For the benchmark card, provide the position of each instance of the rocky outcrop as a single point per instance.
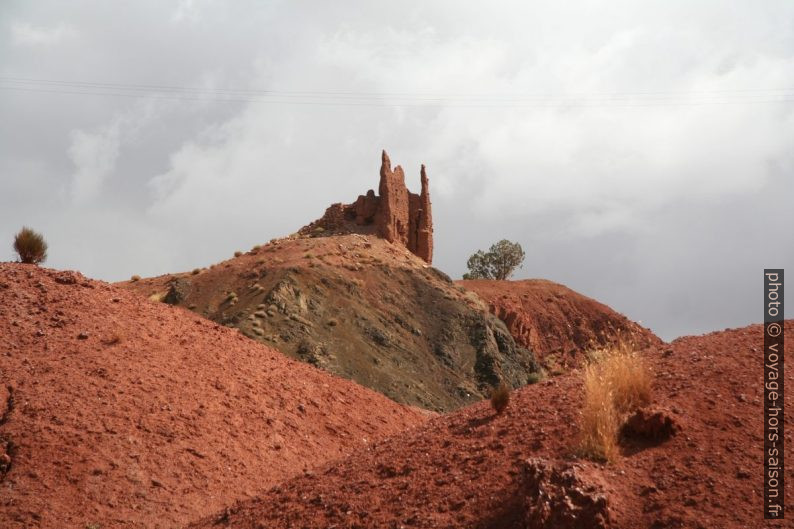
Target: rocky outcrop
(395, 214)
(650, 425)
(560, 497)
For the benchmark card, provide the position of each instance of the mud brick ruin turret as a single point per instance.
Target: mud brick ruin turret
(395, 214)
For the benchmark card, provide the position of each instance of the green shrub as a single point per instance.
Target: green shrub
(499, 262)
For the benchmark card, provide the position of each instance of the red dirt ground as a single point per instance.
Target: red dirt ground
(464, 469)
(116, 411)
(553, 320)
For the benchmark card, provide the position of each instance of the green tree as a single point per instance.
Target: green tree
(499, 262)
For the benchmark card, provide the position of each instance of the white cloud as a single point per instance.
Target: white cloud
(24, 33)
(95, 154)
(190, 11)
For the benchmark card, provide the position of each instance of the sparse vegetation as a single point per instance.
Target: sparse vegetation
(158, 296)
(628, 377)
(616, 382)
(500, 398)
(30, 246)
(238, 253)
(599, 427)
(553, 365)
(499, 262)
(135, 278)
(196, 271)
(534, 378)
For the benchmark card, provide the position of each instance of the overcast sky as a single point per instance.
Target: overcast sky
(641, 152)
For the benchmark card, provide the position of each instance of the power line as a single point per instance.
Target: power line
(151, 87)
(346, 98)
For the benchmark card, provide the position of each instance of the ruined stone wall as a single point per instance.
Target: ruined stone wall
(396, 214)
(423, 216)
(393, 214)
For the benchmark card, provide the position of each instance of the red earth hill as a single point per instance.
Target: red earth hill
(516, 470)
(555, 322)
(362, 308)
(116, 411)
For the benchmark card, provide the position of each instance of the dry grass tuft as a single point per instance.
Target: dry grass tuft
(238, 253)
(626, 374)
(30, 246)
(535, 377)
(196, 271)
(599, 428)
(616, 382)
(135, 278)
(158, 296)
(500, 398)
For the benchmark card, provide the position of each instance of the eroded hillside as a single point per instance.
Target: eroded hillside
(360, 307)
(555, 322)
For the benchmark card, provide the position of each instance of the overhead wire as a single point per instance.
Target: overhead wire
(399, 99)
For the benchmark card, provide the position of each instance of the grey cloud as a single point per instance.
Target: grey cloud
(636, 150)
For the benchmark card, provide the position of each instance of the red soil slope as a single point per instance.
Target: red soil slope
(116, 411)
(551, 319)
(469, 469)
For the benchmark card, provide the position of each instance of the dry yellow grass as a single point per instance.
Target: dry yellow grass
(627, 376)
(158, 296)
(616, 382)
(599, 427)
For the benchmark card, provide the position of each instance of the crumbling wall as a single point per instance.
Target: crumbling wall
(395, 214)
